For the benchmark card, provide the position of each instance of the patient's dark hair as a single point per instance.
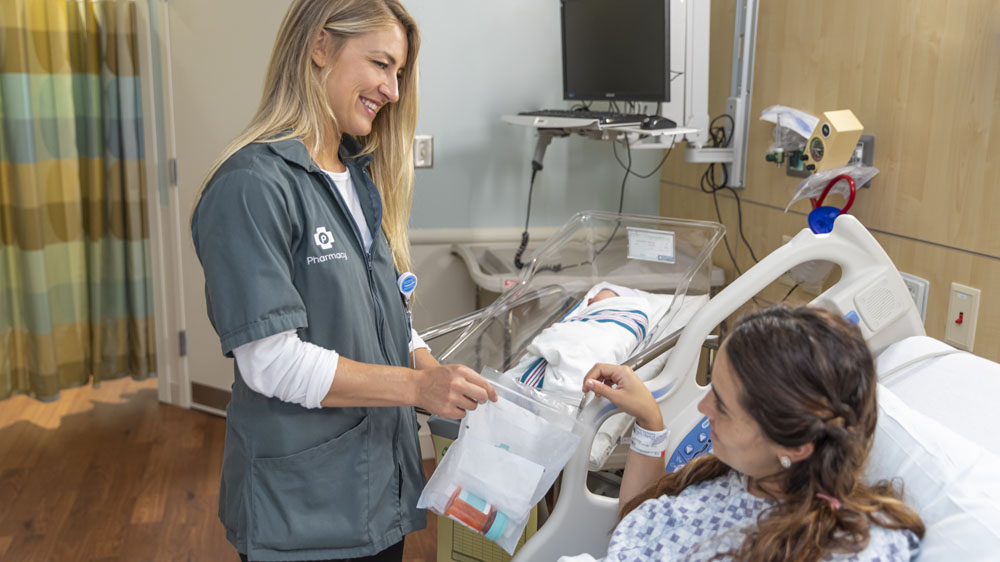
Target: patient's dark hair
(805, 376)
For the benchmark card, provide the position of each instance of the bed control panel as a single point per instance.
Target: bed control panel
(697, 442)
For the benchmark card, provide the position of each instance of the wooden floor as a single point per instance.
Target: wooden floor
(111, 474)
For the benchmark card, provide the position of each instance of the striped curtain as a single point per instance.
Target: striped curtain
(75, 290)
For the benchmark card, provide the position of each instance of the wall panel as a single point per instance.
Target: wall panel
(923, 78)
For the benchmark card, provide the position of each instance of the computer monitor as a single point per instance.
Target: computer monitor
(616, 50)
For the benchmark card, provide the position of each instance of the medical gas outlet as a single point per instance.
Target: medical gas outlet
(833, 141)
(963, 311)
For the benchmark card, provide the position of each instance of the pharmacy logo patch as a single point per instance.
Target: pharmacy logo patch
(323, 238)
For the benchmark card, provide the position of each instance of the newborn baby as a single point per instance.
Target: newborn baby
(606, 329)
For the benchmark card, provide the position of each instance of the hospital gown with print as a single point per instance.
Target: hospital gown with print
(712, 517)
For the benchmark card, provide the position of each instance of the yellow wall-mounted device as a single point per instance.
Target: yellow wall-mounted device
(832, 141)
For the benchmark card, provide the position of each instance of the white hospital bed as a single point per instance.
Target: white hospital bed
(937, 418)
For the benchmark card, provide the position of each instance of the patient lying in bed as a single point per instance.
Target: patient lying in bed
(607, 328)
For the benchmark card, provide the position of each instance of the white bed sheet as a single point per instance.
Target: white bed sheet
(955, 388)
(936, 434)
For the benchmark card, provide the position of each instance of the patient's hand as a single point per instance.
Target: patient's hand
(451, 390)
(624, 389)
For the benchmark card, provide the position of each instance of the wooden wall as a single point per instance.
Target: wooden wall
(924, 78)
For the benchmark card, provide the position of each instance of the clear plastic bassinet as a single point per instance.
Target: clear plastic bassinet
(663, 256)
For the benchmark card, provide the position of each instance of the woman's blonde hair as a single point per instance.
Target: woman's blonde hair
(294, 102)
(805, 376)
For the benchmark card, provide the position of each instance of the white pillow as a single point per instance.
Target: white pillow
(953, 483)
(954, 388)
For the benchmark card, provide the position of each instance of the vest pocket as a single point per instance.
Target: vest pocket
(314, 499)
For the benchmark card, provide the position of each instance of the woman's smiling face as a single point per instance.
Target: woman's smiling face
(364, 76)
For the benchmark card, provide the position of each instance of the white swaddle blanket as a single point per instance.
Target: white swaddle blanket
(608, 331)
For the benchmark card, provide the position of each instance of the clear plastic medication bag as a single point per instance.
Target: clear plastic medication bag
(507, 455)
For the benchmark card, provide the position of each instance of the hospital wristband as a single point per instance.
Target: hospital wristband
(649, 443)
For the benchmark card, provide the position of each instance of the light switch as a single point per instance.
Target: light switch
(963, 311)
(423, 151)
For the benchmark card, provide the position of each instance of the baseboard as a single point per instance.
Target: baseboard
(209, 399)
(208, 409)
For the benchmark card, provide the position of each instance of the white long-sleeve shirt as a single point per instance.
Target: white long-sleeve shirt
(285, 367)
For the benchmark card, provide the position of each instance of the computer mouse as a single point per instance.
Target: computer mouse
(657, 122)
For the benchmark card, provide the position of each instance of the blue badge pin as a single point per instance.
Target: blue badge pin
(406, 282)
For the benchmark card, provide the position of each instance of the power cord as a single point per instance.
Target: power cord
(544, 138)
(614, 149)
(628, 170)
(789, 293)
(535, 168)
(621, 202)
(710, 184)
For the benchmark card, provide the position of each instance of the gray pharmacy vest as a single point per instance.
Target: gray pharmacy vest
(281, 252)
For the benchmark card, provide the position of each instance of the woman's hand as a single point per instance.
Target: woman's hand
(622, 387)
(451, 390)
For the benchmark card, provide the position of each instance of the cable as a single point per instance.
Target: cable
(709, 184)
(722, 131)
(536, 167)
(789, 293)
(527, 216)
(614, 148)
(739, 222)
(545, 137)
(628, 170)
(621, 205)
(725, 239)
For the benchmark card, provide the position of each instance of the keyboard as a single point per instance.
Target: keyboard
(602, 117)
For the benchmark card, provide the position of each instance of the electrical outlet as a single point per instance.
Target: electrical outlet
(864, 154)
(919, 289)
(423, 151)
(963, 311)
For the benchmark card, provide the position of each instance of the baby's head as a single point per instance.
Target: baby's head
(602, 295)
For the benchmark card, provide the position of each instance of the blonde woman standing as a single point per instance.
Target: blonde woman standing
(301, 232)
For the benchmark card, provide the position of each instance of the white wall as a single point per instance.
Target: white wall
(479, 60)
(219, 51)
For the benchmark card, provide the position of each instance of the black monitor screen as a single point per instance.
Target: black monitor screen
(616, 50)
